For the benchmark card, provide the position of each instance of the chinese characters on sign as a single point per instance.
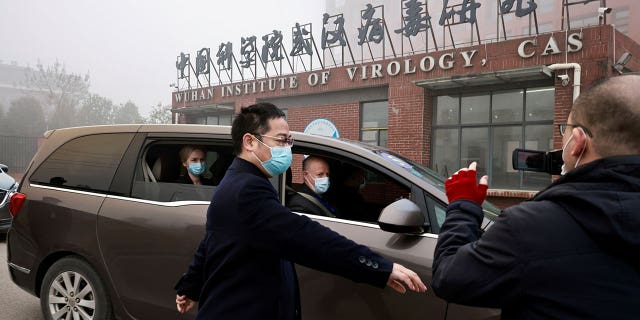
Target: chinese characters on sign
(202, 62)
(372, 30)
(507, 5)
(181, 64)
(301, 41)
(337, 35)
(248, 52)
(272, 48)
(225, 56)
(415, 20)
(467, 6)
(424, 64)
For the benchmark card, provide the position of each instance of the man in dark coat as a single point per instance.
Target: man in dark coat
(243, 267)
(573, 250)
(310, 198)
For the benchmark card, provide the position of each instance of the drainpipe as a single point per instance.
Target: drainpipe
(576, 75)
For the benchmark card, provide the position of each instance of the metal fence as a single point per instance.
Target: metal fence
(16, 152)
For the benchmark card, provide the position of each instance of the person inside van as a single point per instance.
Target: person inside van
(349, 201)
(193, 159)
(310, 198)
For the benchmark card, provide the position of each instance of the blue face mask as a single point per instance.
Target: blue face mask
(196, 168)
(280, 160)
(321, 185)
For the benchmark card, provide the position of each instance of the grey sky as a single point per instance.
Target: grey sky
(130, 47)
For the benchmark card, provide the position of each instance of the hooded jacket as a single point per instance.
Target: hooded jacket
(571, 252)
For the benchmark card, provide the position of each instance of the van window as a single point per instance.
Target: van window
(356, 192)
(162, 177)
(85, 163)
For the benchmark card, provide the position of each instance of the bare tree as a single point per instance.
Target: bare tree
(64, 91)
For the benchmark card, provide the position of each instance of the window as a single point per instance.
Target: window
(487, 128)
(374, 123)
(356, 192)
(161, 176)
(85, 163)
(223, 119)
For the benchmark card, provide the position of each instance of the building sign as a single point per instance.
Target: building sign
(416, 64)
(322, 127)
(427, 63)
(270, 53)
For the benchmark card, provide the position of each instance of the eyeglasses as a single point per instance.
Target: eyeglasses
(563, 128)
(280, 140)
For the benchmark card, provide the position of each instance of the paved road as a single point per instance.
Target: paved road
(15, 304)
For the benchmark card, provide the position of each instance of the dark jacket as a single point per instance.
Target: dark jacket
(571, 252)
(298, 203)
(186, 179)
(241, 270)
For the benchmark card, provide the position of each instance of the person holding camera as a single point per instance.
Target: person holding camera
(573, 250)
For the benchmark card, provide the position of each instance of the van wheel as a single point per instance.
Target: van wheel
(72, 290)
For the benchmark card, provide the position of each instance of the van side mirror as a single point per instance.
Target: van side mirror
(402, 216)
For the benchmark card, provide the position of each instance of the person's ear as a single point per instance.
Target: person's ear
(580, 140)
(248, 142)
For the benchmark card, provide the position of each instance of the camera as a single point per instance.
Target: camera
(603, 10)
(564, 78)
(538, 161)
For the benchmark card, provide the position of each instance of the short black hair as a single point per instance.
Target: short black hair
(610, 111)
(253, 119)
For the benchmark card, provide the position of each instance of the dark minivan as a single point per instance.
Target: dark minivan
(103, 228)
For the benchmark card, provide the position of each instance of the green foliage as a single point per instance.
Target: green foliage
(25, 118)
(95, 110)
(127, 113)
(160, 115)
(64, 115)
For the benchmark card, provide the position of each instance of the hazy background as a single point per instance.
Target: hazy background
(129, 48)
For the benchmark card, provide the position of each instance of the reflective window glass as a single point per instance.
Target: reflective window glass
(492, 125)
(374, 123)
(505, 140)
(475, 109)
(507, 106)
(447, 110)
(85, 163)
(474, 147)
(540, 104)
(445, 152)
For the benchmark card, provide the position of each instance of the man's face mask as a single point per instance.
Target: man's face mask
(280, 159)
(321, 185)
(196, 168)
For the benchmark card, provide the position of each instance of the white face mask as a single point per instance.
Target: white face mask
(564, 168)
(320, 185)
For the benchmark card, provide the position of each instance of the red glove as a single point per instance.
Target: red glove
(464, 185)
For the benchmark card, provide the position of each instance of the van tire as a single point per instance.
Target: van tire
(61, 285)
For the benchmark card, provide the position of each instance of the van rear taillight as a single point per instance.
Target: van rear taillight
(17, 199)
